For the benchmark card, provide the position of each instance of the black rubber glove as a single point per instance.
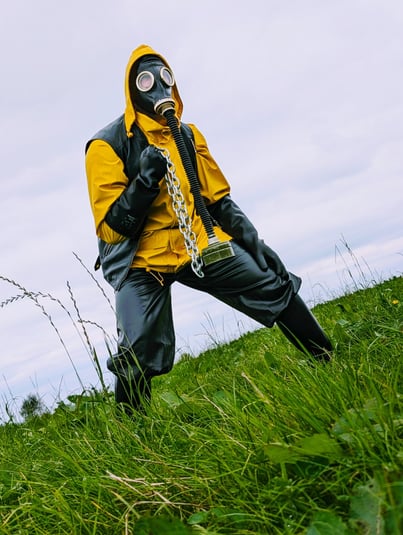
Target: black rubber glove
(235, 223)
(127, 213)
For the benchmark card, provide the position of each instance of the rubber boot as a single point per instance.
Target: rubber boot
(301, 328)
(133, 396)
(132, 386)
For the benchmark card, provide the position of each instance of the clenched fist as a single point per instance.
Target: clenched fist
(153, 166)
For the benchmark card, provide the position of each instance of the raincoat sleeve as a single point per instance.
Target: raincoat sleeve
(213, 184)
(106, 182)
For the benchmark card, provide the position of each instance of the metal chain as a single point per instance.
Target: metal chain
(184, 221)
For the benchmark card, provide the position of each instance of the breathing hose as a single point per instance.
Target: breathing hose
(215, 250)
(190, 173)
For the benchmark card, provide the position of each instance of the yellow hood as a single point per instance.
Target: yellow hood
(130, 111)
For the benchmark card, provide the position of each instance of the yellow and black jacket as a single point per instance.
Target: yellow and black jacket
(112, 161)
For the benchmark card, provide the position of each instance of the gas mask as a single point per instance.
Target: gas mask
(151, 83)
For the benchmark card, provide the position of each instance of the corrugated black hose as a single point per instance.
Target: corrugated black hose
(190, 173)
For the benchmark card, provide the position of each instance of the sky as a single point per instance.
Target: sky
(301, 103)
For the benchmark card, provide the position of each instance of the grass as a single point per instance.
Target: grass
(247, 438)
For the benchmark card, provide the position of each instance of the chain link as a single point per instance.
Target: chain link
(184, 221)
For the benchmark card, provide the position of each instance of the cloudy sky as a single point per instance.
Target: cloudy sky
(301, 104)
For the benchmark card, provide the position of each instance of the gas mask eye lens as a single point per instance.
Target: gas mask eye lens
(144, 81)
(167, 77)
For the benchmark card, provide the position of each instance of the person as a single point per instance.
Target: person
(156, 226)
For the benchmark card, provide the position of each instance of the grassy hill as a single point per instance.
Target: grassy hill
(248, 438)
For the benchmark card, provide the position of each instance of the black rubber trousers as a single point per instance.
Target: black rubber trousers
(146, 343)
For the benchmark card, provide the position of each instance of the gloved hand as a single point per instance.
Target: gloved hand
(233, 221)
(127, 214)
(266, 257)
(152, 166)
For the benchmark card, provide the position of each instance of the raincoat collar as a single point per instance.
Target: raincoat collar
(153, 130)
